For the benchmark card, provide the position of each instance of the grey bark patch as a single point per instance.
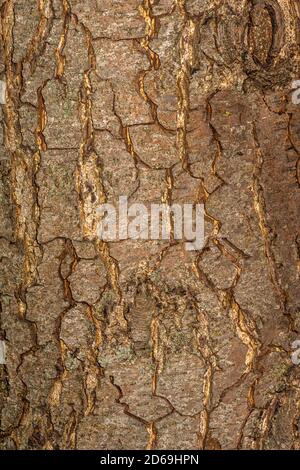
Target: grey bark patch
(2, 92)
(2, 352)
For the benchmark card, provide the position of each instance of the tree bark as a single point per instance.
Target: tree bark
(140, 344)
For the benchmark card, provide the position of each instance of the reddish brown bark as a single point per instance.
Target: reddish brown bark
(141, 344)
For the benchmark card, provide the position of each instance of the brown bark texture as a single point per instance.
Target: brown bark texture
(141, 344)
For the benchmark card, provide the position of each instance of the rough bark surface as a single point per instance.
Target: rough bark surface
(143, 345)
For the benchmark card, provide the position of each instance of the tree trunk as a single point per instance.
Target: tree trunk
(141, 344)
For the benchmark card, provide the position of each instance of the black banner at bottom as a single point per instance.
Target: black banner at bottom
(135, 459)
